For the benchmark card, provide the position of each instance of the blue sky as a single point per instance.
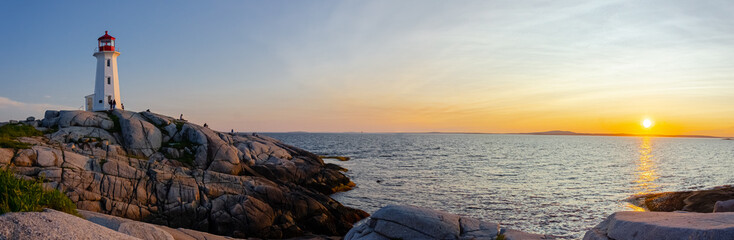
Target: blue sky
(484, 66)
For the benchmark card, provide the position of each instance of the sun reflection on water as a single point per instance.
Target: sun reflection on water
(645, 173)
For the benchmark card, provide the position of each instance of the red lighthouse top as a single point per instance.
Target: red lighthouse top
(106, 42)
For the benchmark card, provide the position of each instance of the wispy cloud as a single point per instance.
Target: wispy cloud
(11, 109)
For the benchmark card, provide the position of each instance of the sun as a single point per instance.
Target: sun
(647, 123)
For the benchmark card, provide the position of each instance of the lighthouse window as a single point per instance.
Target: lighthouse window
(108, 80)
(108, 62)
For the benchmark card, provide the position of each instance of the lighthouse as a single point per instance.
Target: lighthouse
(106, 84)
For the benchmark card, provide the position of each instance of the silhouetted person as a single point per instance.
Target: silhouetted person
(232, 132)
(122, 105)
(206, 126)
(180, 117)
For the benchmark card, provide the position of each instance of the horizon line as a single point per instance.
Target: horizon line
(559, 133)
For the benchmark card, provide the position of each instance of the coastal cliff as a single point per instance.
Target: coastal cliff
(157, 169)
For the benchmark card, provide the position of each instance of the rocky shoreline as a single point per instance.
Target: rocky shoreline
(157, 169)
(149, 176)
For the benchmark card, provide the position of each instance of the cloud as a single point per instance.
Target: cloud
(12, 109)
(6, 102)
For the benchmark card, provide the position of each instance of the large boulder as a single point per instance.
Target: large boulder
(664, 225)
(146, 230)
(82, 119)
(702, 201)
(80, 134)
(724, 206)
(51, 224)
(141, 138)
(6, 155)
(410, 222)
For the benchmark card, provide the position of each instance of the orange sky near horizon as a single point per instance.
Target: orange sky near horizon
(389, 66)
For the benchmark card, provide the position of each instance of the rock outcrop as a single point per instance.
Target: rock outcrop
(154, 168)
(664, 225)
(724, 206)
(410, 222)
(145, 230)
(702, 201)
(51, 224)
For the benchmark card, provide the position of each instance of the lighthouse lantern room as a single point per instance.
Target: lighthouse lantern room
(106, 86)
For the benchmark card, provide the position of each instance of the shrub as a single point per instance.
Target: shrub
(18, 130)
(11, 143)
(116, 120)
(179, 125)
(20, 195)
(187, 157)
(9, 133)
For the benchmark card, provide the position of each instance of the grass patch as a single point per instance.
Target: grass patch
(179, 125)
(20, 195)
(116, 121)
(18, 130)
(9, 133)
(51, 130)
(187, 157)
(12, 143)
(500, 236)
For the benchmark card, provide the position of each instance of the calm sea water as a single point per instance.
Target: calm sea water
(560, 185)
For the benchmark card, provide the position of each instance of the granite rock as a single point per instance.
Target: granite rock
(724, 206)
(51, 224)
(410, 222)
(141, 137)
(225, 184)
(664, 225)
(80, 134)
(84, 119)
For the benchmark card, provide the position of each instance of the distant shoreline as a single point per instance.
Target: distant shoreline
(552, 133)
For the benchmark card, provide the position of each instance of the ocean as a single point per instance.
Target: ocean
(559, 185)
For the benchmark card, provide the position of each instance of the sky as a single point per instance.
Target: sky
(384, 66)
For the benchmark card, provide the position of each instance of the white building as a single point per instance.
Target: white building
(106, 84)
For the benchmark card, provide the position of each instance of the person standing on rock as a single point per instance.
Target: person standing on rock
(180, 117)
(122, 105)
(114, 104)
(205, 125)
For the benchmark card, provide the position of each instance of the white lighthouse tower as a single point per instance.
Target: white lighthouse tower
(106, 85)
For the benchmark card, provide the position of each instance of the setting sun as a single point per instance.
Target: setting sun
(647, 123)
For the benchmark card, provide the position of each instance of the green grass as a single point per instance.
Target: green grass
(12, 143)
(9, 133)
(20, 195)
(116, 120)
(179, 125)
(51, 130)
(186, 158)
(18, 130)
